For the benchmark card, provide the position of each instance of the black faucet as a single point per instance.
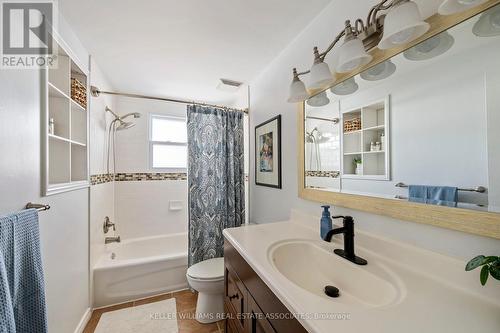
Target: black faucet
(348, 231)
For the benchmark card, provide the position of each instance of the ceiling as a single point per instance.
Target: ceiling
(180, 49)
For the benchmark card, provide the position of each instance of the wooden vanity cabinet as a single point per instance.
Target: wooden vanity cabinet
(251, 307)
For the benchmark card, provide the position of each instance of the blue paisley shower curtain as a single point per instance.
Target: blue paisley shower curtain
(215, 177)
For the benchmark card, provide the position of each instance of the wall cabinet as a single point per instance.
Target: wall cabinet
(251, 307)
(64, 123)
(357, 142)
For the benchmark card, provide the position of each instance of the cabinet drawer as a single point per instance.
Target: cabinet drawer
(235, 297)
(232, 325)
(257, 321)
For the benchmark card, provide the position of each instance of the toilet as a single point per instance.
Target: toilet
(207, 277)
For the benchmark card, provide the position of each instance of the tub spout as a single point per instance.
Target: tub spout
(108, 240)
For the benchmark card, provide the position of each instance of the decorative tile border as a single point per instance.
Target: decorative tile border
(329, 174)
(144, 176)
(138, 176)
(101, 179)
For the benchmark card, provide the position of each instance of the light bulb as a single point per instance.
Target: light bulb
(352, 54)
(298, 92)
(403, 24)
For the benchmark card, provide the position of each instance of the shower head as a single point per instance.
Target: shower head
(135, 114)
(125, 125)
(118, 117)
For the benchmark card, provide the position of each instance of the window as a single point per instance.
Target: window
(168, 142)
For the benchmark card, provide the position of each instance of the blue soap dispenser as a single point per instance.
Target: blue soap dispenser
(326, 221)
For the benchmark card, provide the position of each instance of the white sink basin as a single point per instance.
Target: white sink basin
(312, 265)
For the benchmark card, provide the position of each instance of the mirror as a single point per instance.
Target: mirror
(420, 127)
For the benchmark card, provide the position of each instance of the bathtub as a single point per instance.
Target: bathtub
(140, 267)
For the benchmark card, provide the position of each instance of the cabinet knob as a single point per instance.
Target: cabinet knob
(235, 296)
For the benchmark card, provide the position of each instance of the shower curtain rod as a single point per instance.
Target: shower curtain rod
(96, 92)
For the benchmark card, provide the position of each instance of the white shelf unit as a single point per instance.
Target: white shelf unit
(356, 144)
(65, 151)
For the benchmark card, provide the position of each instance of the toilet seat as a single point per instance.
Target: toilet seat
(208, 270)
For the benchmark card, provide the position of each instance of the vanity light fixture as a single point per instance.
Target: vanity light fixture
(352, 53)
(403, 24)
(361, 37)
(390, 23)
(320, 99)
(379, 72)
(449, 7)
(488, 24)
(346, 87)
(298, 92)
(321, 76)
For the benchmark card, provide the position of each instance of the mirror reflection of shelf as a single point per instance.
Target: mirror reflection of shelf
(66, 126)
(357, 142)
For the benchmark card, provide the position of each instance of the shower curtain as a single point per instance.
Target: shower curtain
(215, 178)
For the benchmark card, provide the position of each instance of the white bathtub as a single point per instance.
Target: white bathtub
(140, 267)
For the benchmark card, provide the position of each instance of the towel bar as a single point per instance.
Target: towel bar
(38, 207)
(460, 204)
(479, 189)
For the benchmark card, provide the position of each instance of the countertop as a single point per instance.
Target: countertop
(436, 294)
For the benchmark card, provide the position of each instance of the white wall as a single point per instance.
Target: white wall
(142, 207)
(268, 98)
(101, 195)
(64, 228)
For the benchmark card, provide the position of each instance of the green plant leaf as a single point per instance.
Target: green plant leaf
(484, 275)
(495, 272)
(475, 263)
(491, 259)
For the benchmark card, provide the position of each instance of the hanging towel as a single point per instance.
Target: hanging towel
(434, 195)
(22, 288)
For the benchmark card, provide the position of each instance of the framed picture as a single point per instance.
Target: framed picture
(268, 153)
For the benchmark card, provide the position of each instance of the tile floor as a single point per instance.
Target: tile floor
(186, 305)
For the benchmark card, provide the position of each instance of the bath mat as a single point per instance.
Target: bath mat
(148, 318)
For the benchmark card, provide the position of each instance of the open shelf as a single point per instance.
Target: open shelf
(357, 144)
(58, 76)
(67, 150)
(78, 163)
(78, 124)
(59, 156)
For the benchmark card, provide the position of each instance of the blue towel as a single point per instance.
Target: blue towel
(434, 195)
(22, 288)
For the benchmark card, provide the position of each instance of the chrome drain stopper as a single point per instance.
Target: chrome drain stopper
(332, 291)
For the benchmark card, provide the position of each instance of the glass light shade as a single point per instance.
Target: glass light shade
(379, 72)
(402, 25)
(320, 99)
(321, 76)
(298, 92)
(346, 87)
(430, 48)
(488, 24)
(352, 55)
(449, 7)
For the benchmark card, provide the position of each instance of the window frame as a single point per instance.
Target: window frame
(152, 143)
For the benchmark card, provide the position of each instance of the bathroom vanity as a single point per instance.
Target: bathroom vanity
(278, 269)
(248, 301)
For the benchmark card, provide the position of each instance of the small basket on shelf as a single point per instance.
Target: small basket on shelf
(79, 92)
(352, 125)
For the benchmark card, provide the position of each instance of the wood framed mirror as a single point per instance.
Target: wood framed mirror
(417, 117)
